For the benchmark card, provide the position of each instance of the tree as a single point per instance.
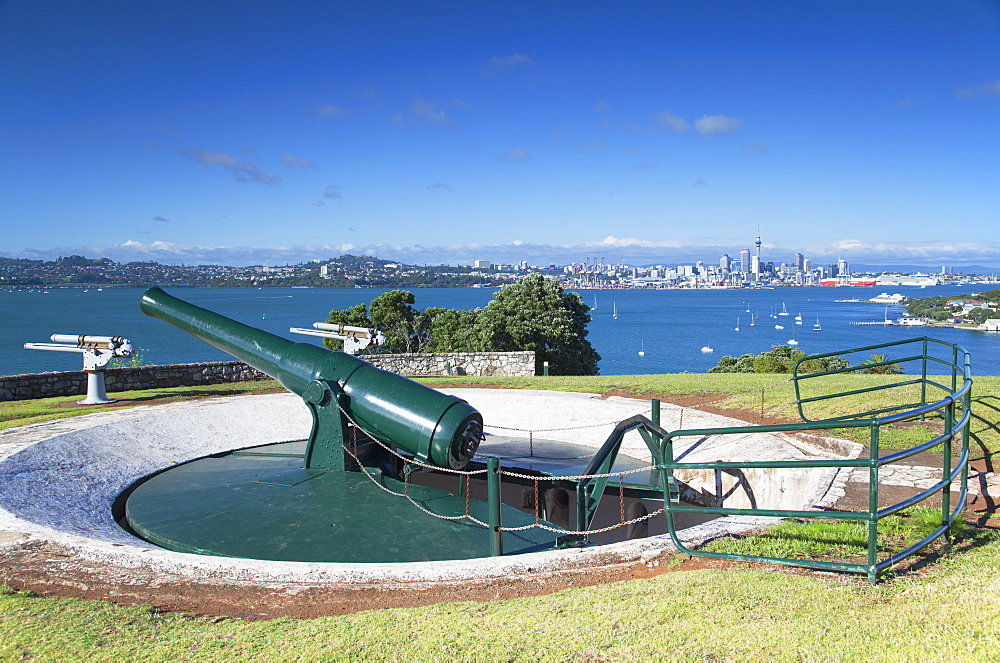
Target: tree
(537, 314)
(779, 359)
(730, 364)
(453, 330)
(355, 316)
(532, 314)
(880, 365)
(393, 314)
(405, 329)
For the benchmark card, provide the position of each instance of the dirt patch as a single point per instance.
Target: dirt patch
(52, 573)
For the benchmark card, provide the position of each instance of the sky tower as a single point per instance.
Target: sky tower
(757, 243)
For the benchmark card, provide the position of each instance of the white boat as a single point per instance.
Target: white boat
(778, 327)
(817, 327)
(707, 349)
(594, 308)
(737, 323)
(642, 348)
(798, 319)
(752, 323)
(614, 310)
(784, 311)
(792, 341)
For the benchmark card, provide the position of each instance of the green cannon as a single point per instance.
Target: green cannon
(340, 390)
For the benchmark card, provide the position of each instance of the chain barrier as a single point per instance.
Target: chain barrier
(533, 478)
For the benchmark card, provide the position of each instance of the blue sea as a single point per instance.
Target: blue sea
(669, 326)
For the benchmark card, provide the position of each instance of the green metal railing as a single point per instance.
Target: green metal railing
(953, 407)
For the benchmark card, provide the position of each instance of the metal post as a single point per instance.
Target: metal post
(545, 368)
(493, 495)
(949, 423)
(873, 468)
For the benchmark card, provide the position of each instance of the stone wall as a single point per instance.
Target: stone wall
(73, 383)
(458, 363)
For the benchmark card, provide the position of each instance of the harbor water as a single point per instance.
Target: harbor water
(674, 329)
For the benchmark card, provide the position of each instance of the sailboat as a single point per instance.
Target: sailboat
(816, 327)
(642, 348)
(798, 319)
(792, 341)
(752, 323)
(595, 304)
(784, 311)
(737, 323)
(614, 310)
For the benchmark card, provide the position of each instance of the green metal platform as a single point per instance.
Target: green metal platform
(262, 504)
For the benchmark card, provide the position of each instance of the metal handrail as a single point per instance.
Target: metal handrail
(956, 396)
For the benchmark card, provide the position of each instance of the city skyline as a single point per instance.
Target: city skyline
(636, 132)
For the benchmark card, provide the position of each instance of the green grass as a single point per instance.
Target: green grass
(21, 413)
(707, 615)
(840, 539)
(946, 611)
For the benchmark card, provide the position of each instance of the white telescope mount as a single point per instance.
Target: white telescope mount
(97, 351)
(355, 339)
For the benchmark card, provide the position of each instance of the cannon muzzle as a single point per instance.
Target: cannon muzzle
(440, 429)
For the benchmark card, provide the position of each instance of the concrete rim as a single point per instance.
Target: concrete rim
(60, 480)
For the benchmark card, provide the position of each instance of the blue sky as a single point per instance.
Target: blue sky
(443, 132)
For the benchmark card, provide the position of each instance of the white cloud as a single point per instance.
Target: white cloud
(425, 111)
(296, 162)
(517, 155)
(710, 125)
(631, 250)
(989, 89)
(330, 110)
(676, 124)
(509, 61)
(241, 170)
(905, 103)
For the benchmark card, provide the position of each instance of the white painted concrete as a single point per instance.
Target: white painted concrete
(58, 480)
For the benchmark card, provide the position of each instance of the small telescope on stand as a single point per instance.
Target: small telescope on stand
(97, 351)
(355, 339)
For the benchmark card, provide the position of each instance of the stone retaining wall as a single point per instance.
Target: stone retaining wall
(72, 383)
(458, 363)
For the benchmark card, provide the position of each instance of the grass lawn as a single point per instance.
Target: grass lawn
(945, 611)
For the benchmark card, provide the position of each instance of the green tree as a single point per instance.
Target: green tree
(979, 315)
(393, 314)
(355, 316)
(453, 330)
(779, 359)
(729, 364)
(877, 364)
(537, 314)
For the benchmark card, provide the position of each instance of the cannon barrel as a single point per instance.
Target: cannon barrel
(442, 429)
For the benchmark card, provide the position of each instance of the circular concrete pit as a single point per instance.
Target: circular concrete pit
(59, 483)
